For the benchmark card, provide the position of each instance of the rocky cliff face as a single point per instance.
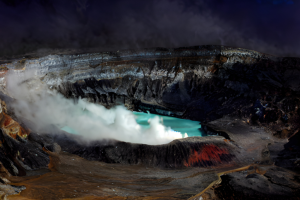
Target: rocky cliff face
(200, 83)
(20, 150)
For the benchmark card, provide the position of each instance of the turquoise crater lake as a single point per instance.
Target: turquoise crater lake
(191, 128)
(187, 128)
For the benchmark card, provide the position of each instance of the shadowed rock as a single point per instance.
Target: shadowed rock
(274, 183)
(192, 151)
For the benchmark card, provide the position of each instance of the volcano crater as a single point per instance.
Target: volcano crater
(247, 103)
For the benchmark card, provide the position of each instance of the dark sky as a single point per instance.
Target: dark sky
(269, 26)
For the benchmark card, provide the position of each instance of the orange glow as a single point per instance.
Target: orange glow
(208, 153)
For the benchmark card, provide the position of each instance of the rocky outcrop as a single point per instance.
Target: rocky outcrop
(187, 152)
(20, 149)
(271, 183)
(290, 156)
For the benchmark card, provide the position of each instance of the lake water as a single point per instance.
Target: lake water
(191, 128)
(187, 128)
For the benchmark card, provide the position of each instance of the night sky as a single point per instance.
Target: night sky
(268, 26)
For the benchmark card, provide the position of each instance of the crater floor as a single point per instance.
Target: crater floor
(74, 177)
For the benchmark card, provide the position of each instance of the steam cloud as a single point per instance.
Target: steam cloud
(42, 106)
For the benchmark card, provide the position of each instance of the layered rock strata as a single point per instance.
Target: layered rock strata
(200, 83)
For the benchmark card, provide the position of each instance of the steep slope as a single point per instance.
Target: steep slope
(201, 83)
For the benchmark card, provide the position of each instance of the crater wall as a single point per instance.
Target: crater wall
(200, 83)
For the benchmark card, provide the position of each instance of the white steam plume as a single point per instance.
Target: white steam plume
(35, 102)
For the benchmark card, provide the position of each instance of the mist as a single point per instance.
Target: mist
(42, 26)
(44, 107)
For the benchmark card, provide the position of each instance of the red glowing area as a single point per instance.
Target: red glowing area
(208, 153)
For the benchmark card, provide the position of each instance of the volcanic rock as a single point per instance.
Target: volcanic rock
(19, 149)
(187, 152)
(274, 183)
(290, 156)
